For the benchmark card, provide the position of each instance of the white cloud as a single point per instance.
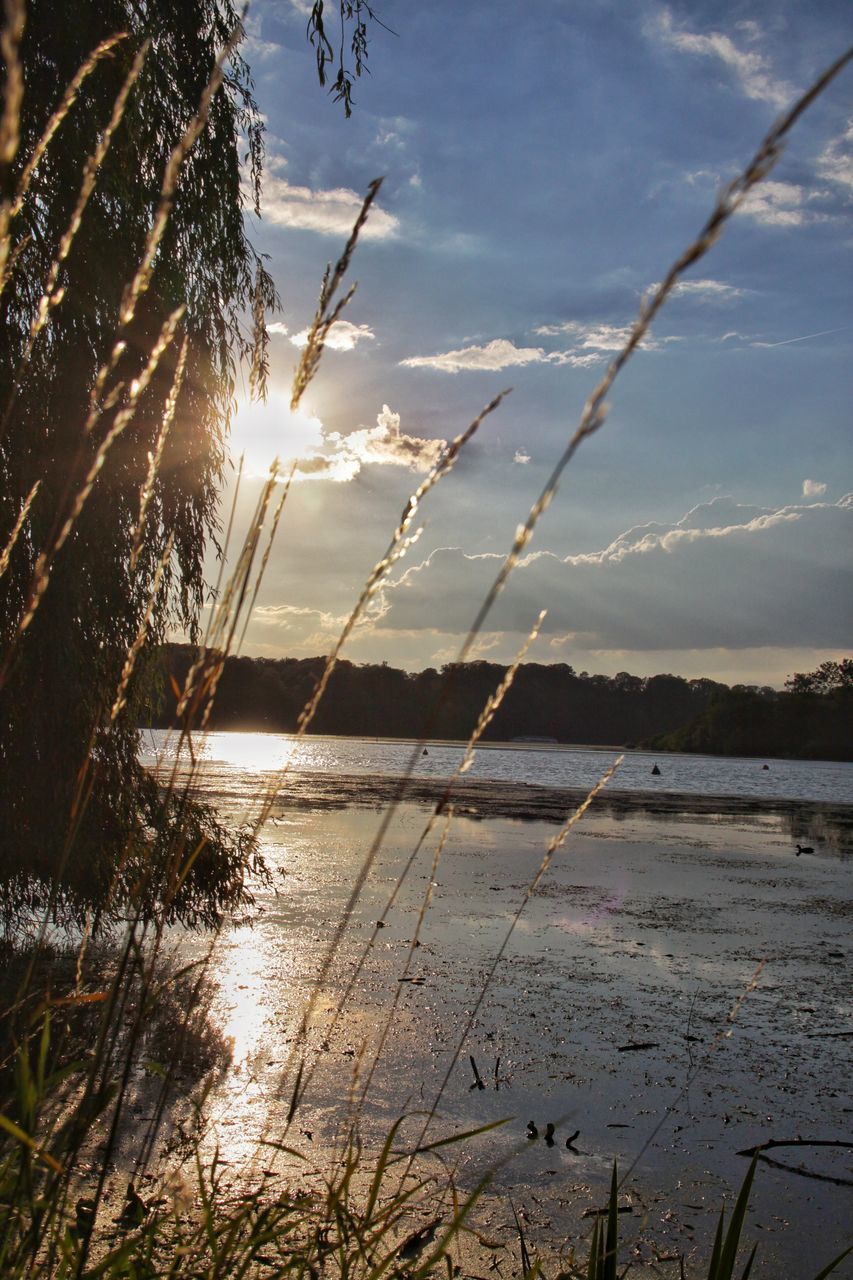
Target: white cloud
(725, 576)
(343, 336)
(596, 337)
(835, 162)
(593, 344)
(277, 327)
(495, 355)
(330, 213)
(387, 445)
(813, 488)
(256, 48)
(750, 68)
(394, 132)
(704, 290)
(286, 615)
(522, 457)
(578, 360)
(779, 204)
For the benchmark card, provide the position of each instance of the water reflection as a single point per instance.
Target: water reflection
(644, 931)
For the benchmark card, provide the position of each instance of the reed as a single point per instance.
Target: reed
(83, 1025)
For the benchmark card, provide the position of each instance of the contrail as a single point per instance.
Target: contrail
(823, 333)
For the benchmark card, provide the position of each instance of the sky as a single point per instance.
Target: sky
(544, 163)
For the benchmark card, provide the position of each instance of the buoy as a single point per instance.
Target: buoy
(424, 752)
(655, 771)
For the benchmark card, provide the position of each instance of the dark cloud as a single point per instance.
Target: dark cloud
(723, 576)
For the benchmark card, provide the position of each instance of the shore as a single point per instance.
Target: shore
(829, 824)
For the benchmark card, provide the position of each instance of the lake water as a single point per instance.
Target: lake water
(677, 988)
(236, 758)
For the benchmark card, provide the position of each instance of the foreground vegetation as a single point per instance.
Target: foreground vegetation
(125, 274)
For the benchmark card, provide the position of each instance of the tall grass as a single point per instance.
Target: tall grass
(88, 1027)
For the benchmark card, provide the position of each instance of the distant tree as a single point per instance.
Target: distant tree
(828, 677)
(813, 719)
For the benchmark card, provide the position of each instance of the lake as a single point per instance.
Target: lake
(235, 757)
(677, 987)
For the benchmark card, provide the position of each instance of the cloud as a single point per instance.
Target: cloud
(578, 360)
(395, 132)
(750, 68)
(813, 488)
(277, 327)
(256, 48)
(500, 353)
(835, 162)
(593, 344)
(287, 616)
(330, 213)
(522, 457)
(725, 575)
(705, 291)
(387, 445)
(343, 336)
(780, 204)
(263, 431)
(595, 338)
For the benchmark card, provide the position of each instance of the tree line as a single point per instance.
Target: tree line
(811, 719)
(377, 700)
(551, 701)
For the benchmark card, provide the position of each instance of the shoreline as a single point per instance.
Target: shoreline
(502, 744)
(489, 798)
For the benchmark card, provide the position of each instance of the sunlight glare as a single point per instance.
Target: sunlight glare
(264, 431)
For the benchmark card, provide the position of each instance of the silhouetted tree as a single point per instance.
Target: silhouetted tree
(61, 677)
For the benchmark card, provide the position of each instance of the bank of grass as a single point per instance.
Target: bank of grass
(91, 1026)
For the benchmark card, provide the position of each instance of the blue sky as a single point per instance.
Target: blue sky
(544, 163)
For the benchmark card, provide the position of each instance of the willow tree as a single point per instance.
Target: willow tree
(74, 344)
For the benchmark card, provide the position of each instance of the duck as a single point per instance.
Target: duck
(135, 1208)
(84, 1213)
(804, 848)
(532, 1131)
(549, 1134)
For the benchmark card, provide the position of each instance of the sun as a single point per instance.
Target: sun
(263, 431)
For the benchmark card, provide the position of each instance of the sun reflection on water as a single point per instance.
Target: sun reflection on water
(242, 979)
(252, 1010)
